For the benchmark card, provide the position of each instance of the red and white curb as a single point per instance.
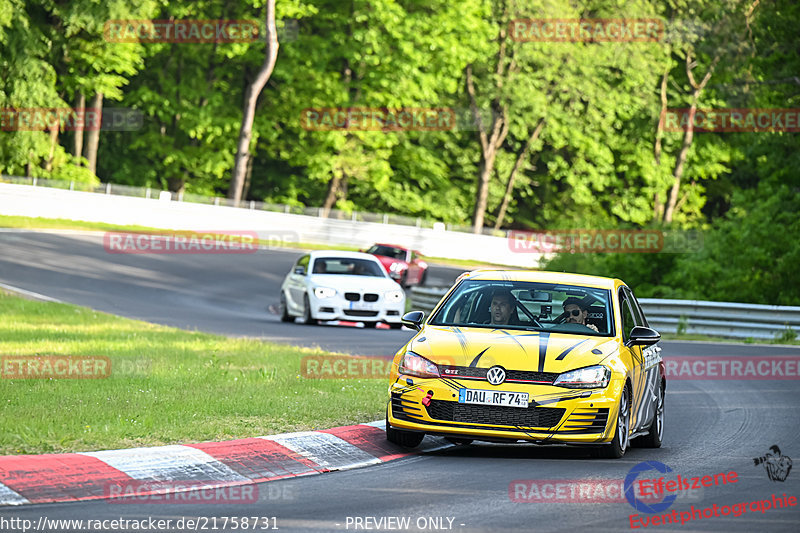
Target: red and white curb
(26, 479)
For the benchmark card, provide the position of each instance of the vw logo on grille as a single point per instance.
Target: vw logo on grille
(496, 375)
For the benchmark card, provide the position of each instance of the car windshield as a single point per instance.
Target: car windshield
(388, 251)
(347, 265)
(552, 307)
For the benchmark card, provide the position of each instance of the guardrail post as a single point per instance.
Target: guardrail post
(34, 181)
(147, 193)
(108, 188)
(252, 204)
(72, 185)
(286, 208)
(216, 200)
(385, 218)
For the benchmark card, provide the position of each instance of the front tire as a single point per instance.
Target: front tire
(406, 439)
(285, 316)
(307, 318)
(656, 430)
(619, 444)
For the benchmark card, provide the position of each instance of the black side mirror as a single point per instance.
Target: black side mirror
(413, 319)
(642, 336)
(300, 270)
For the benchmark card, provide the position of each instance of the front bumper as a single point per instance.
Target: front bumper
(340, 309)
(555, 414)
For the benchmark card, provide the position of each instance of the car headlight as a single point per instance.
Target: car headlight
(324, 292)
(591, 377)
(415, 365)
(394, 296)
(396, 267)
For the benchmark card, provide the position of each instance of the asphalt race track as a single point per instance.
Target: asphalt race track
(712, 426)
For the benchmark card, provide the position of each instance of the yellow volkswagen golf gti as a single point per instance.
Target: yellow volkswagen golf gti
(542, 357)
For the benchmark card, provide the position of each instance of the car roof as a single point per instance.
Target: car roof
(392, 245)
(341, 253)
(543, 276)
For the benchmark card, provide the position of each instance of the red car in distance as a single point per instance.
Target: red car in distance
(403, 265)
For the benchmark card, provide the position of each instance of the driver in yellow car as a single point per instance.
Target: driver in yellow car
(577, 311)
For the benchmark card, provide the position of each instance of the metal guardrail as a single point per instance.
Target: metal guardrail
(720, 319)
(333, 214)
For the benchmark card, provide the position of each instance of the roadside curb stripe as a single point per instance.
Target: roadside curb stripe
(167, 463)
(26, 479)
(57, 477)
(259, 459)
(328, 451)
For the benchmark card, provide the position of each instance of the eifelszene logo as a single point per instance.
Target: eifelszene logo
(777, 465)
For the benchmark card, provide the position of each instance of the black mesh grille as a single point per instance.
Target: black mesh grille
(496, 415)
(511, 375)
(352, 296)
(370, 297)
(355, 312)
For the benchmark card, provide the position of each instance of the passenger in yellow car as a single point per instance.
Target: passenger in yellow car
(577, 311)
(502, 307)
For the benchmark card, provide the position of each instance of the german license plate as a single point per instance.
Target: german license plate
(493, 397)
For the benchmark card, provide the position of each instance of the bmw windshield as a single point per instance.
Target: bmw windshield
(552, 307)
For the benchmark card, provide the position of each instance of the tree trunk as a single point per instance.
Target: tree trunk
(677, 174)
(77, 151)
(330, 198)
(501, 214)
(658, 207)
(93, 138)
(48, 166)
(250, 99)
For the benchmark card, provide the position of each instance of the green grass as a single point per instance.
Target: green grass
(711, 338)
(166, 385)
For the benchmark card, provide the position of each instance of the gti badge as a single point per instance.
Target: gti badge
(496, 375)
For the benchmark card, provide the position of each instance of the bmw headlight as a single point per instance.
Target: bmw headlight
(394, 296)
(415, 365)
(324, 292)
(591, 377)
(396, 267)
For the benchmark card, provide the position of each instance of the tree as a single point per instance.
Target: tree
(250, 99)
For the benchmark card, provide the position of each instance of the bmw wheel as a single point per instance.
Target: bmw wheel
(307, 312)
(285, 316)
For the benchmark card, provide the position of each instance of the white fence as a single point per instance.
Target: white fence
(720, 319)
(27, 200)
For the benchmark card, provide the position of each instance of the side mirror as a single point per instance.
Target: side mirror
(413, 319)
(642, 336)
(300, 270)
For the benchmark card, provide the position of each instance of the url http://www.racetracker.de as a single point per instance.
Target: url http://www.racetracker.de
(193, 523)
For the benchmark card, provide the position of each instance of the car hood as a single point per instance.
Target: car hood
(343, 282)
(511, 349)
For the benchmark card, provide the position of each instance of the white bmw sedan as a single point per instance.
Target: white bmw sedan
(336, 285)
